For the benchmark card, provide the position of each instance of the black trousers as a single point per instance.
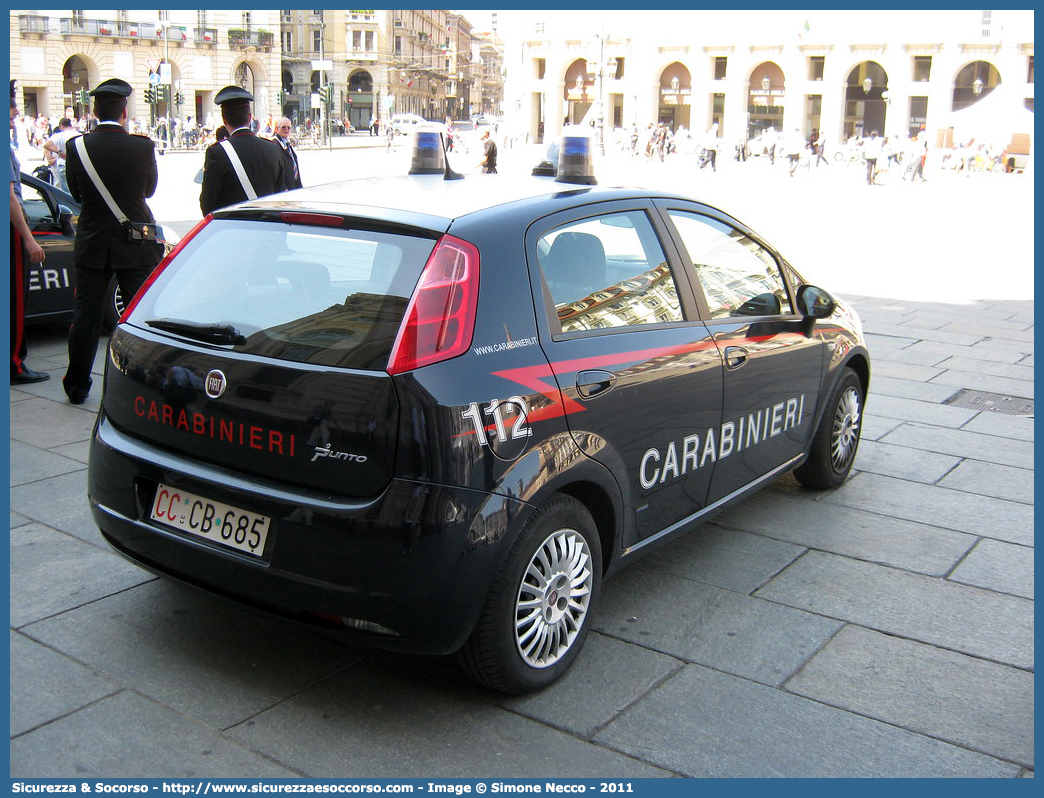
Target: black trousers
(19, 293)
(92, 290)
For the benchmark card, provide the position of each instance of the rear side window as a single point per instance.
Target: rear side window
(304, 294)
(608, 271)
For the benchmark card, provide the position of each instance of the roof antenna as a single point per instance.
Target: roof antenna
(450, 174)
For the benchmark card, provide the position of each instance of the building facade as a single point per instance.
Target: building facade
(380, 63)
(843, 73)
(57, 53)
(376, 63)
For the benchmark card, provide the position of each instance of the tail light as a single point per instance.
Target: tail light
(129, 308)
(440, 319)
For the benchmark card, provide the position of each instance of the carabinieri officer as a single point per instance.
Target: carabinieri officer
(261, 161)
(126, 167)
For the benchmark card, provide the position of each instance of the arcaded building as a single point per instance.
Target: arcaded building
(842, 72)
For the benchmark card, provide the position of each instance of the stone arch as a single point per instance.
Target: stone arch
(972, 82)
(865, 100)
(675, 96)
(251, 74)
(579, 91)
(360, 99)
(766, 93)
(76, 75)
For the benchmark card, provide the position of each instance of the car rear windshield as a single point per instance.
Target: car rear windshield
(316, 295)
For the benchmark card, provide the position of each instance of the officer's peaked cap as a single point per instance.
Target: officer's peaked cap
(233, 94)
(112, 88)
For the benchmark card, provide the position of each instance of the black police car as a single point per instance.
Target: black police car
(52, 215)
(436, 413)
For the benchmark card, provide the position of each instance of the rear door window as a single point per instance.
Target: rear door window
(608, 271)
(304, 294)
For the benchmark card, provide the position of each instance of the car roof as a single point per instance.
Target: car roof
(434, 200)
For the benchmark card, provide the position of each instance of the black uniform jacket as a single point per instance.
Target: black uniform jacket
(126, 165)
(262, 160)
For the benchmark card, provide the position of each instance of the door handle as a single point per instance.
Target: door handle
(590, 384)
(735, 356)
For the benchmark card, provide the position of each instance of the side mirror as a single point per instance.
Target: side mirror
(65, 220)
(815, 303)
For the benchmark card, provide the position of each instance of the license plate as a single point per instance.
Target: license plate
(205, 518)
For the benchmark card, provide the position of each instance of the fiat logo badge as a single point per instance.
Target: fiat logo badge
(215, 384)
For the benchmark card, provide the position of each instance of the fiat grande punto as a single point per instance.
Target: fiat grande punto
(434, 414)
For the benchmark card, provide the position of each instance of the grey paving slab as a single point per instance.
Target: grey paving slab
(938, 351)
(902, 371)
(930, 504)
(78, 451)
(52, 572)
(953, 697)
(998, 566)
(934, 611)
(46, 684)
(194, 653)
(853, 533)
(128, 736)
(1002, 426)
(876, 427)
(1002, 347)
(886, 346)
(991, 479)
(60, 502)
(976, 445)
(44, 423)
(985, 382)
(718, 628)
(925, 412)
(921, 334)
(728, 558)
(903, 462)
(995, 329)
(354, 725)
(608, 677)
(17, 520)
(909, 389)
(29, 464)
(978, 366)
(706, 724)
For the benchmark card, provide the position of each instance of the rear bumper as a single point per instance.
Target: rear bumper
(417, 560)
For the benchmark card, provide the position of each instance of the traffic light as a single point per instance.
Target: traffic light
(326, 95)
(150, 95)
(280, 97)
(179, 98)
(82, 97)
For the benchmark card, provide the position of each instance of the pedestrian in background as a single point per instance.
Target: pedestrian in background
(24, 250)
(124, 166)
(793, 146)
(55, 148)
(872, 148)
(710, 149)
(489, 154)
(243, 167)
(291, 169)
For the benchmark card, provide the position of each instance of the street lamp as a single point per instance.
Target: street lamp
(766, 83)
(867, 85)
(977, 85)
(600, 91)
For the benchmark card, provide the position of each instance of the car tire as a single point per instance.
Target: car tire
(114, 306)
(837, 439)
(529, 632)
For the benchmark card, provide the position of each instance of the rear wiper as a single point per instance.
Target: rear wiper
(213, 333)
